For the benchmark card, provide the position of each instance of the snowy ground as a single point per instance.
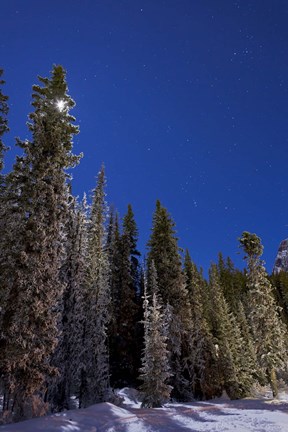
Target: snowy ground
(223, 415)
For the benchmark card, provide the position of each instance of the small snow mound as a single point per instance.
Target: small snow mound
(130, 397)
(118, 411)
(283, 396)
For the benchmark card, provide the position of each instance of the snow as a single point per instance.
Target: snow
(221, 415)
(130, 397)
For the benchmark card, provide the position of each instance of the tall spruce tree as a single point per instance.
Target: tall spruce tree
(234, 368)
(155, 370)
(112, 246)
(124, 341)
(164, 251)
(67, 354)
(280, 282)
(36, 208)
(269, 332)
(204, 367)
(94, 381)
(232, 281)
(248, 349)
(130, 237)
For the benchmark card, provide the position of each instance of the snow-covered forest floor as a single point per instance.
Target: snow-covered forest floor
(261, 414)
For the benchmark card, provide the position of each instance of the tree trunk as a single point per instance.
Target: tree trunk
(271, 375)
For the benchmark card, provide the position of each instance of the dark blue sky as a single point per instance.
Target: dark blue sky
(183, 100)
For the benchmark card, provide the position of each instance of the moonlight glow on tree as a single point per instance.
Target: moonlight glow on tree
(35, 211)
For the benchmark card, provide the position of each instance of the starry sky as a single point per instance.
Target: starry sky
(183, 100)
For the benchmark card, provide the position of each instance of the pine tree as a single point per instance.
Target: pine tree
(36, 207)
(124, 329)
(248, 349)
(95, 385)
(114, 256)
(269, 333)
(155, 369)
(204, 371)
(115, 262)
(234, 368)
(130, 238)
(67, 355)
(232, 282)
(280, 282)
(164, 251)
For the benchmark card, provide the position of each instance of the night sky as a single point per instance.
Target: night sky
(183, 100)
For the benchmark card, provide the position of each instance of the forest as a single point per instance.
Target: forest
(82, 314)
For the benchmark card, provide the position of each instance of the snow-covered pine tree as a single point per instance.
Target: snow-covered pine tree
(269, 332)
(123, 341)
(36, 209)
(130, 237)
(152, 279)
(204, 370)
(164, 251)
(244, 361)
(67, 355)
(248, 349)
(95, 385)
(280, 282)
(232, 281)
(111, 234)
(113, 239)
(155, 370)
(235, 372)
(114, 256)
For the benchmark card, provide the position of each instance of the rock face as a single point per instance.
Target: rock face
(281, 262)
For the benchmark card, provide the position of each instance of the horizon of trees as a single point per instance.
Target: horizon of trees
(81, 315)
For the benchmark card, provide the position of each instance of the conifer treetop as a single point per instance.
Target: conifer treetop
(130, 230)
(51, 124)
(251, 245)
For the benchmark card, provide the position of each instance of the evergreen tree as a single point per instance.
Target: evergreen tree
(248, 349)
(234, 368)
(36, 208)
(232, 282)
(130, 239)
(152, 279)
(124, 329)
(269, 333)
(164, 251)
(128, 310)
(280, 282)
(95, 385)
(204, 370)
(112, 247)
(114, 256)
(67, 355)
(155, 369)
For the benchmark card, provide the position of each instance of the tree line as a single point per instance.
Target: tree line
(81, 315)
